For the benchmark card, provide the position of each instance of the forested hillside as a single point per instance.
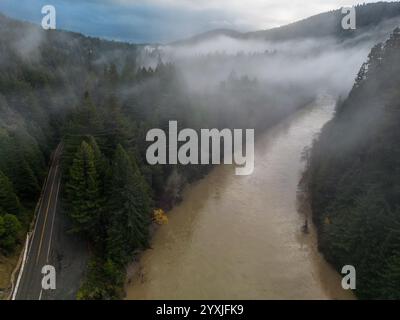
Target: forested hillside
(96, 98)
(355, 177)
(60, 86)
(99, 99)
(327, 24)
(43, 76)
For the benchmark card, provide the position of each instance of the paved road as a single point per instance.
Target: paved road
(52, 244)
(39, 248)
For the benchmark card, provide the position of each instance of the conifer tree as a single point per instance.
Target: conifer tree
(24, 179)
(83, 191)
(100, 161)
(129, 209)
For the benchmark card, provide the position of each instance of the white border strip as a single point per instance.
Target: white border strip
(21, 270)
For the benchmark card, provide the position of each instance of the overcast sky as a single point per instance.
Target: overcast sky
(168, 20)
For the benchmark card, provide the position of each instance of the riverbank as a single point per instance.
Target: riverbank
(240, 237)
(174, 195)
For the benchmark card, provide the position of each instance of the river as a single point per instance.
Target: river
(240, 237)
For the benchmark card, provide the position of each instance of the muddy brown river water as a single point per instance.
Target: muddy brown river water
(240, 237)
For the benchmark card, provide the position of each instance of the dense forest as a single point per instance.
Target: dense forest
(38, 88)
(355, 177)
(99, 99)
(96, 98)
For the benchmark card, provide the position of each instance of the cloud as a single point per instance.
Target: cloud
(253, 14)
(168, 20)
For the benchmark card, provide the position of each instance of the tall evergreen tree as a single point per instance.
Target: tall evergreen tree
(83, 191)
(24, 179)
(100, 161)
(129, 209)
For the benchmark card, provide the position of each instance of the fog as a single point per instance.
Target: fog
(317, 65)
(310, 65)
(238, 82)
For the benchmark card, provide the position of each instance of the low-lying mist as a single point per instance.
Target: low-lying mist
(295, 68)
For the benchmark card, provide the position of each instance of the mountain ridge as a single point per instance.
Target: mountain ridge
(320, 25)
